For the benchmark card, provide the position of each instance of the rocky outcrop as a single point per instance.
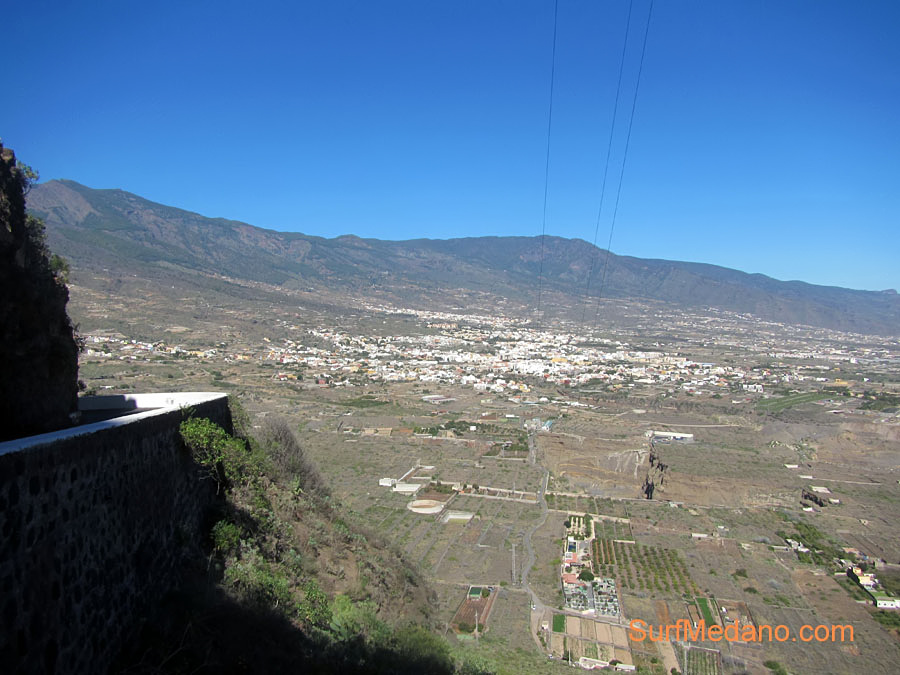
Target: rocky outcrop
(810, 496)
(656, 474)
(38, 350)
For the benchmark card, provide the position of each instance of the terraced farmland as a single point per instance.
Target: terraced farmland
(640, 567)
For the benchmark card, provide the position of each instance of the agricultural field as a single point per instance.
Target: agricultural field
(699, 661)
(663, 562)
(474, 613)
(708, 611)
(613, 529)
(641, 567)
(782, 402)
(583, 636)
(559, 623)
(584, 504)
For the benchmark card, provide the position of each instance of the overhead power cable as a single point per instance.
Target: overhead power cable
(612, 226)
(547, 158)
(612, 129)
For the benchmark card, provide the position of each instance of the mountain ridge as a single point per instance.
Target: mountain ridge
(115, 228)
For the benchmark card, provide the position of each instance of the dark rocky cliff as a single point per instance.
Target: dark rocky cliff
(38, 351)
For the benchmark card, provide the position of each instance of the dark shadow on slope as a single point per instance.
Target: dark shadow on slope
(209, 632)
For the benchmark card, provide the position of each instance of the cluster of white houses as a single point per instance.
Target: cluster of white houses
(493, 354)
(583, 590)
(502, 359)
(870, 583)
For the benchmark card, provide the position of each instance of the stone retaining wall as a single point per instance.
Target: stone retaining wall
(95, 527)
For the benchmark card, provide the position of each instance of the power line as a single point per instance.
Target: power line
(612, 128)
(547, 158)
(612, 226)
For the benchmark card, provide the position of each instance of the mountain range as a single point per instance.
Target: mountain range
(117, 230)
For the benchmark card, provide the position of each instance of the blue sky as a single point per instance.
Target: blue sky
(766, 133)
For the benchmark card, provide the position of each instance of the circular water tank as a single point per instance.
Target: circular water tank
(425, 506)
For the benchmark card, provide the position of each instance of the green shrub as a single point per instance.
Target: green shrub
(226, 536)
(340, 528)
(351, 619)
(889, 619)
(226, 458)
(420, 650)
(314, 609)
(259, 582)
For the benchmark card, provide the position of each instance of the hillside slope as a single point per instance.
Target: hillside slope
(113, 229)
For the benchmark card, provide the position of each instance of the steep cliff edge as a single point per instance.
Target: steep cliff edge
(285, 579)
(656, 475)
(39, 371)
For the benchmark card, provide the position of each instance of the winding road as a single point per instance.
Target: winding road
(537, 606)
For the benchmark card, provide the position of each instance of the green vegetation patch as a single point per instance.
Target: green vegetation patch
(887, 619)
(890, 580)
(855, 590)
(823, 549)
(783, 402)
(363, 402)
(880, 400)
(779, 600)
(559, 623)
(703, 606)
